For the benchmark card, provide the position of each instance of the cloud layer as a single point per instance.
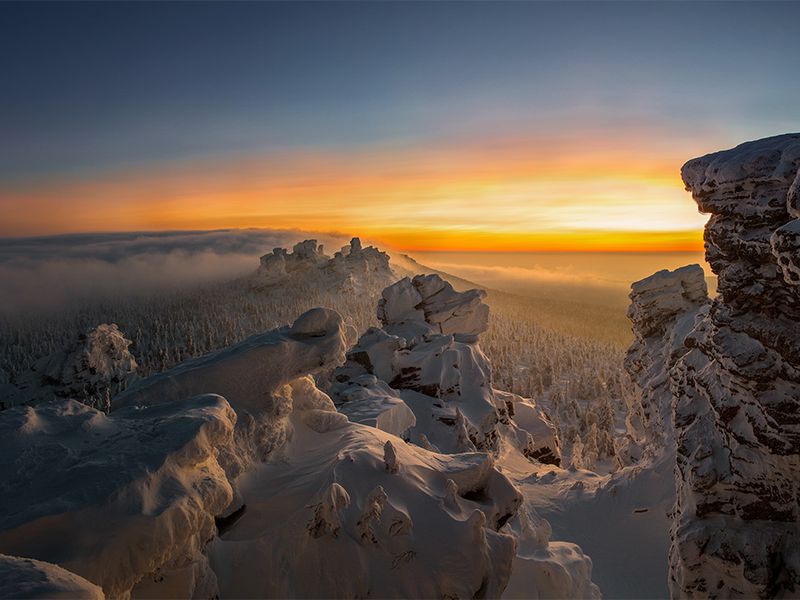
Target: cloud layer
(62, 271)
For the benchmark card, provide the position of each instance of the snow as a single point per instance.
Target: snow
(115, 498)
(35, 579)
(244, 373)
(359, 511)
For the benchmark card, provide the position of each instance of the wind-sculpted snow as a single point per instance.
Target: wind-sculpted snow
(353, 268)
(250, 375)
(353, 511)
(127, 501)
(97, 366)
(664, 309)
(35, 579)
(737, 389)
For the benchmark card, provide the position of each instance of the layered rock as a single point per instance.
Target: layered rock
(664, 308)
(428, 351)
(126, 501)
(94, 369)
(737, 388)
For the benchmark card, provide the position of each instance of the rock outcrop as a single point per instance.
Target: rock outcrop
(93, 370)
(353, 511)
(353, 268)
(664, 308)
(428, 352)
(737, 388)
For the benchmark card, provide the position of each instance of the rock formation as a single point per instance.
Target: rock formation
(177, 495)
(664, 308)
(353, 268)
(737, 389)
(251, 375)
(427, 353)
(94, 369)
(353, 511)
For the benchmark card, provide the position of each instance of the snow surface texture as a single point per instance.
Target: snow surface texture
(117, 499)
(95, 368)
(351, 269)
(34, 579)
(352, 511)
(737, 389)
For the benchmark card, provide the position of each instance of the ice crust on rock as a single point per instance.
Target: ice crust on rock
(737, 387)
(39, 580)
(121, 499)
(94, 369)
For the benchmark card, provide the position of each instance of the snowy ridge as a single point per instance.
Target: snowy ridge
(737, 389)
(137, 492)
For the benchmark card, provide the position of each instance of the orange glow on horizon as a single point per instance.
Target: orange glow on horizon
(491, 195)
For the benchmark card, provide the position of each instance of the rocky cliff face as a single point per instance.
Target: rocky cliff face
(737, 388)
(664, 309)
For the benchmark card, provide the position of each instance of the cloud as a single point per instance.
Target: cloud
(63, 271)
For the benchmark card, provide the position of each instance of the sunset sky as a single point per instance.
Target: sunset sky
(464, 126)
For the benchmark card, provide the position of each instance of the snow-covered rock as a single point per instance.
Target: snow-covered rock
(95, 368)
(127, 500)
(427, 353)
(663, 310)
(431, 301)
(251, 376)
(368, 400)
(353, 269)
(353, 511)
(737, 388)
(427, 357)
(35, 579)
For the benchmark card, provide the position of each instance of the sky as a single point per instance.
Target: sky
(428, 126)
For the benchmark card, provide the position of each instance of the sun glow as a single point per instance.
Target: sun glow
(473, 196)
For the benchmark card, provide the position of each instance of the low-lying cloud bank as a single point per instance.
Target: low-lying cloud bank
(61, 271)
